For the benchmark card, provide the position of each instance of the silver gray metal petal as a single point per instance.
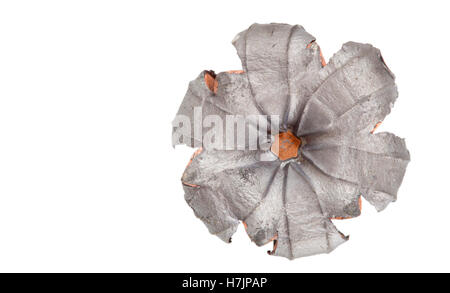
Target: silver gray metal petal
(239, 177)
(338, 198)
(213, 210)
(376, 163)
(276, 58)
(233, 99)
(356, 92)
(303, 229)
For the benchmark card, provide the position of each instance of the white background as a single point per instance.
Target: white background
(89, 181)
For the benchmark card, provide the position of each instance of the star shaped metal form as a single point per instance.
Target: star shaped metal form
(324, 157)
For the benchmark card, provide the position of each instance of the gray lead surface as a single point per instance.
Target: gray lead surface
(332, 108)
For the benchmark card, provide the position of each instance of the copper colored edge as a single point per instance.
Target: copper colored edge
(376, 126)
(235, 71)
(322, 59)
(275, 244)
(210, 81)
